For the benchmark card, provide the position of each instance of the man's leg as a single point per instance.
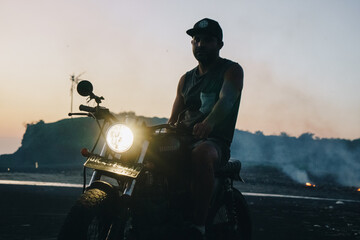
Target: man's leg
(204, 158)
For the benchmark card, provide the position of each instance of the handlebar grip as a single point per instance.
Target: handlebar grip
(87, 108)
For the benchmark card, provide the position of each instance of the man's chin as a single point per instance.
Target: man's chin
(202, 58)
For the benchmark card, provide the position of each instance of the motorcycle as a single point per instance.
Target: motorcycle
(139, 187)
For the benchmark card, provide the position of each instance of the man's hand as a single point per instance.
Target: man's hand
(202, 129)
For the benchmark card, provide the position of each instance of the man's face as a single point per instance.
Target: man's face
(205, 47)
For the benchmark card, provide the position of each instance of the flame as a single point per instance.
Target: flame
(358, 189)
(310, 185)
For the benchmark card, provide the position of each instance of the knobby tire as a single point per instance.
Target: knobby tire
(90, 218)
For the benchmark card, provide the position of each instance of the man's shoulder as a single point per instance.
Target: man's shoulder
(229, 63)
(232, 67)
(189, 74)
(191, 71)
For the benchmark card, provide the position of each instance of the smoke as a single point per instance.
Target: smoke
(304, 158)
(296, 174)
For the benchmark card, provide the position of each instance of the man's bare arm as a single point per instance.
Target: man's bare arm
(230, 91)
(179, 104)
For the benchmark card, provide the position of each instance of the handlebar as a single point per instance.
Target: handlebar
(101, 113)
(79, 114)
(87, 108)
(172, 128)
(95, 112)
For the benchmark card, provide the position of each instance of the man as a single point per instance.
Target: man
(207, 101)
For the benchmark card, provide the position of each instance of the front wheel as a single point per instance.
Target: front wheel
(229, 219)
(90, 218)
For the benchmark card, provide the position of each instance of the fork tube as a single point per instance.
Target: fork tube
(130, 187)
(103, 150)
(96, 175)
(143, 151)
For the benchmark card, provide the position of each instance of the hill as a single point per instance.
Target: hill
(56, 146)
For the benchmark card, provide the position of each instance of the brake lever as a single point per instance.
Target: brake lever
(79, 114)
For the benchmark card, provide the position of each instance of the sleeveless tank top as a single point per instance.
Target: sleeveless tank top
(201, 94)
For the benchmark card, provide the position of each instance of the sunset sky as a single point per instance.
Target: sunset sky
(301, 60)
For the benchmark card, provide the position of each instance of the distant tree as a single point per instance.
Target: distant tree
(306, 136)
(284, 134)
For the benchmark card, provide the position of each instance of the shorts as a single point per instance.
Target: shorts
(222, 149)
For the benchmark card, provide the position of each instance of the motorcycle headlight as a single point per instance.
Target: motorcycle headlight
(119, 138)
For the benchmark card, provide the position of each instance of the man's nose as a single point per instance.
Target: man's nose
(200, 43)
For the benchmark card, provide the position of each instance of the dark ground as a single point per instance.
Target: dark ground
(29, 212)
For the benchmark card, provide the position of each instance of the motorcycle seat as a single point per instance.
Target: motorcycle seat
(230, 170)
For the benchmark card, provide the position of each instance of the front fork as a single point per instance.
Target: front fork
(120, 220)
(130, 184)
(96, 175)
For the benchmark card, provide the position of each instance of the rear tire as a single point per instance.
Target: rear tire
(90, 218)
(230, 223)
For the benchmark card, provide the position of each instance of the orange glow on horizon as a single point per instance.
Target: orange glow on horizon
(310, 185)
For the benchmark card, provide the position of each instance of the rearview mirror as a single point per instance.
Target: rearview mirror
(84, 88)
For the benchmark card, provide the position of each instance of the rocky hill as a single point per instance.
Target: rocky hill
(56, 146)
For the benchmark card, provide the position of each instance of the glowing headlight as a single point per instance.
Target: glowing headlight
(119, 138)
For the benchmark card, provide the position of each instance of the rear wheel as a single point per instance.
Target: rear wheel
(230, 219)
(90, 218)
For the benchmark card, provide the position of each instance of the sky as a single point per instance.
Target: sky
(301, 60)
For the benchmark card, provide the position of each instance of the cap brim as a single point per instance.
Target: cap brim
(191, 32)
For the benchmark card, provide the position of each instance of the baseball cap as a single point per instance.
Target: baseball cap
(206, 26)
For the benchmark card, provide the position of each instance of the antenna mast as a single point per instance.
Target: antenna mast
(74, 81)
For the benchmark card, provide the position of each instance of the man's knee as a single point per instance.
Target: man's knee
(205, 154)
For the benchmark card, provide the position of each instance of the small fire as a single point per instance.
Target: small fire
(358, 189)
(310, 185)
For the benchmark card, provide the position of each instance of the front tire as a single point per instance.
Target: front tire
(90, 218)
(229, 219)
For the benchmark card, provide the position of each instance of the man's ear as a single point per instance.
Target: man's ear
(221, 44)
